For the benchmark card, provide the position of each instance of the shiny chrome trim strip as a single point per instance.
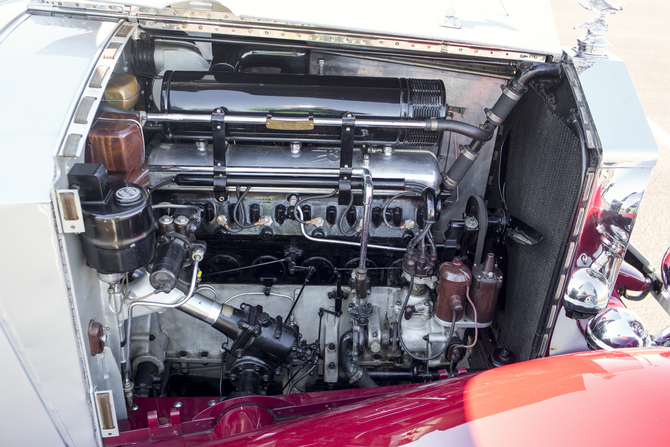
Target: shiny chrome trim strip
(227, 23)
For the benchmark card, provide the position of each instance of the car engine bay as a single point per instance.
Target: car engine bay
(267, 218)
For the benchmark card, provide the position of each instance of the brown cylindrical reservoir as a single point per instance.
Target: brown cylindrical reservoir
(486, 282)
(454, 280)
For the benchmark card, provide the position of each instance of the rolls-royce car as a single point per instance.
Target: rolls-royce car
(301, 223)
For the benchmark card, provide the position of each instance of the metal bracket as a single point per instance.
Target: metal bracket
(69, 209)
(346, 157)
(220, 149)
(450, 20)
(106, 413)
(331, 345)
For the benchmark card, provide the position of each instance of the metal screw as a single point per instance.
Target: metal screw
(331, 365)
(331, 347)
(177, 404)
(211, 403)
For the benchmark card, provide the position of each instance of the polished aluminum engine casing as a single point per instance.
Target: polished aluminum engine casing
(409, 165)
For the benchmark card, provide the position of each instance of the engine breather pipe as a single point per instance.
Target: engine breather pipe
(512, 93)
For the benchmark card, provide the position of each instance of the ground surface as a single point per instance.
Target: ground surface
(640, 36)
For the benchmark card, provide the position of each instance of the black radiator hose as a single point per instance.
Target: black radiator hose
(354, 373)
(512, 93)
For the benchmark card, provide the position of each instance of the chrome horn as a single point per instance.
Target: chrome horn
(616, 328)
(587, 293)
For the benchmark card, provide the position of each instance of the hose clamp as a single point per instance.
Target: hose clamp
(511, 94)
(495, 119)
(469, 155)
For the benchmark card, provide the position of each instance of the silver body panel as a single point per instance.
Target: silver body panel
(629, 153)
(36, 303)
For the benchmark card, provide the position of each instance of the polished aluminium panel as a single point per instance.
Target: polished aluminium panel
(39, 99)
(620, 121)
(488, 29)
(410, 165)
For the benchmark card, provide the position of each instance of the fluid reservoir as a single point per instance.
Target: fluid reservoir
(120, 230)
(455, 277)
(486, 282)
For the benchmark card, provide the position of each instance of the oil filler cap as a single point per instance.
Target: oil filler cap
(128, 195)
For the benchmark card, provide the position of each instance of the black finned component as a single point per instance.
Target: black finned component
(143, 50)
(331, 214)
(92, 181)
(352, 215)
(254, 213)
(397, 216)
(280, 214)
(377, 216)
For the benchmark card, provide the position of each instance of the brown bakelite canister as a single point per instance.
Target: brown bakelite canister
(454, 279)
(116, 140)
(486, 282)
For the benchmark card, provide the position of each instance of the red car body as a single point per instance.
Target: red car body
(554, 401)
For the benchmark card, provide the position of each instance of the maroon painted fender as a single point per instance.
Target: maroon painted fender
(564, 400)
(555, 401)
